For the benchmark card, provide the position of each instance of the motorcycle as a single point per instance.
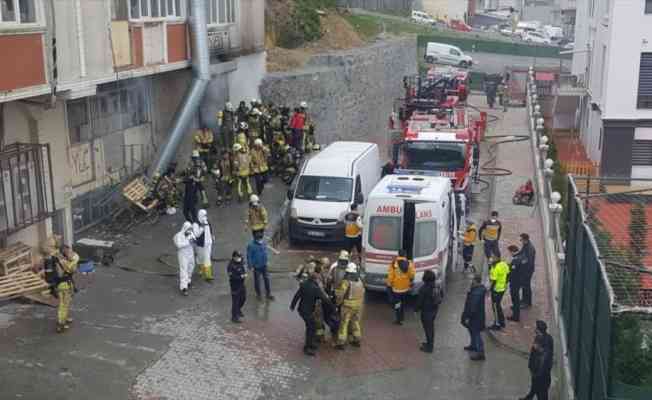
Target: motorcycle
(524, 195)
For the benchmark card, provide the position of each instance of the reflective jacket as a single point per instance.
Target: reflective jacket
(226, 169)
(242, 163)
(470, 235)
(259, 160)
(257, 218)
(350, 293)
(353, 225)
(498, 276)
(491, 230)
(203, 140)
(65, 270)
(398, 280)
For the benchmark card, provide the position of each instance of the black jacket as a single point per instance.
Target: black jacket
(236, 272)
(428, 298)
(528, 254)
(540, 362)
(307, 295)
(474, 314)
(517, 270)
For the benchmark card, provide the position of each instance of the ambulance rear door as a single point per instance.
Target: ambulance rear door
(427, 231)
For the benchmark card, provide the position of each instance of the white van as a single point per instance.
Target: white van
(328, 183)
(442, 53)
(422, 18)
(415, 213)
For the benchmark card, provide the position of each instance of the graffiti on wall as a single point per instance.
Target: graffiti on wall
(81, 161)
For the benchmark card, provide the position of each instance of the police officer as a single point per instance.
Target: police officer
(490, 232)
(540, 363)
(242, 167)
(428, 302)
(237, 274)
(350, 295)
(257, 219)
(307, 295)
(498, 275)
(66, 266)
(516, 276)
(470, 236)
(353, 230)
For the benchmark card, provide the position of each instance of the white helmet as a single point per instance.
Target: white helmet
(344, 255)
(256, 111)
(195, 153)
(229, 106)
(244, 126)
(254, 101)
(303, 104)
(258, 142)
(237, 147)
(253, 199)
(351, 268)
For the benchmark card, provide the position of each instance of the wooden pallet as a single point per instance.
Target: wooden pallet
(15, 258)
(136, 192)
(20, 284)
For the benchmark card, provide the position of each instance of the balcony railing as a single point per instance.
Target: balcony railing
(26, 188)
(569, 84)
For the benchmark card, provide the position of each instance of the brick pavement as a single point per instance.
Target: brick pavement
(518, 158)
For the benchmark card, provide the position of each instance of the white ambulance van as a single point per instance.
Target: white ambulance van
(328, 183)
(415, 213)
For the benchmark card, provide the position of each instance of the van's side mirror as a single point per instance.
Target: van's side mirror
(359, 198)
(290, 194)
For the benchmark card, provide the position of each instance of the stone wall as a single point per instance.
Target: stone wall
(350, 93)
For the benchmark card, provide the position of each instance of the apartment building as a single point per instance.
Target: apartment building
(612, 85)
(446, 10)
(568, 9)
(88, 90)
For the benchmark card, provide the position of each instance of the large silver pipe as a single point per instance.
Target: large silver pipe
(197, 89)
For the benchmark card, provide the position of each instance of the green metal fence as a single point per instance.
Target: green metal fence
(480, 44)
(604, 305)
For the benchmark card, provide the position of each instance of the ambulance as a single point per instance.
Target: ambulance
(415, 213)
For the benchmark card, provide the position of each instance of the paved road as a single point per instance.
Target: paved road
(136, 337)
(492, 63)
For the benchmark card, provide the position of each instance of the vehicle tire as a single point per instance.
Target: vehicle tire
(464, 64)
(430, 59)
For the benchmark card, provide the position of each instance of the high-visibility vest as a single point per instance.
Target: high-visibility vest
(351, 227)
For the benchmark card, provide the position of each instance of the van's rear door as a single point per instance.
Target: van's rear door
(426, 235)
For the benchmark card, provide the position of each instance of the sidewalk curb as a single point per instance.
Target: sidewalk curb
(500, 343)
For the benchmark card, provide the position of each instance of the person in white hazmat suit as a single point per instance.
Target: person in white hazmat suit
(205, 239)
(184, 241)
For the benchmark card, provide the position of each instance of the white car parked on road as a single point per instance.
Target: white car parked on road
(535, 37)
(422, 18)
(442, 53)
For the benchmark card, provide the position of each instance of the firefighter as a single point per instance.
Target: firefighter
(259, 154)
(242, 166)
(277, 139)
(66, 266)
(288, 164)
(242, 112)
(224, 181)
(268, 115)
(257, 219)
(196, 172)
(307, 296)
(203, 143)
(226, 121)
(254, 122)
(242, 137)
(490, 233)
(470, 236)
(350, 295)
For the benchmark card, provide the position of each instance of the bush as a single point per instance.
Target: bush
(304, 25)
(632, 356)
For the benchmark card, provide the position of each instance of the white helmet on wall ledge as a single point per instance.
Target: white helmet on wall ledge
(303, 104)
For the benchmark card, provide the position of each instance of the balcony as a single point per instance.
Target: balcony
(26, 189)
(569, 85)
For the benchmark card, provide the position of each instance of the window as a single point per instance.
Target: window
(385, 233)
(645, 81)
(18, 12)
(144, 9)
(323, 188)
(221, 11)
(648, 6)
(112, 109)
(642, 153)
(432, 156)
(454, 52)
(425, 238)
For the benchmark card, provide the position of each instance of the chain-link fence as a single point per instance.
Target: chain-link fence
(607, 287)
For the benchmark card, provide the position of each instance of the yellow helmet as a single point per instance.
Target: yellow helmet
(344, 255)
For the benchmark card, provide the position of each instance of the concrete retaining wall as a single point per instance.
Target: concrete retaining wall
(350, 93)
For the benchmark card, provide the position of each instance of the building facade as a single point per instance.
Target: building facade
(88, 90)
(612, 67)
